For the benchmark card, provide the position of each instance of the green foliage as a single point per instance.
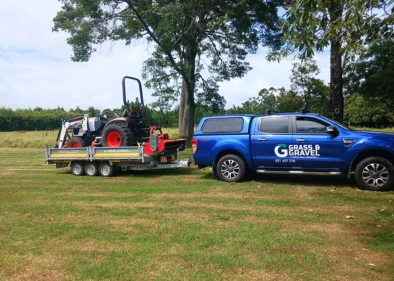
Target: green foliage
(50, 119)
(372, 112)
(372, 76)
(346, 26)
(36, 119)
(289, 101)
(313, 91)
(312, 25)
(191, 38)
(370, 87)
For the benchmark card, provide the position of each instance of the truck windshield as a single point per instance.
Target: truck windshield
(338, 124)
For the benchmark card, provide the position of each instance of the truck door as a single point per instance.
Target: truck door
(271, 136)
(313, 148)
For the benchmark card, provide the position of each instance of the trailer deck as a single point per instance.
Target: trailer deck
(105, 160)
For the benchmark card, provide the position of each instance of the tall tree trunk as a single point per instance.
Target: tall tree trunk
(188, 114)
(336, 80)
(181, 127)
(336, 83)
(189, 82)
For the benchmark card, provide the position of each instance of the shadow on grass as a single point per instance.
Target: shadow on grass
(309, 180)
(156, 173)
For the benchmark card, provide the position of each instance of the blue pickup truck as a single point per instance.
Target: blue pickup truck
(292, 143)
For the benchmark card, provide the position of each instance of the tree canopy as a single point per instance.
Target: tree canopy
(345, 26)
(196, 43)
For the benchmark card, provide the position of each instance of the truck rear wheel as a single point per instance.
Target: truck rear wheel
(77, 168)
(375, 173)
(106, 169)
(91, 169)
(231, 168)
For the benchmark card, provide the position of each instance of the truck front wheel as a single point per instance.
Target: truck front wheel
(231, 168)
(375, 173)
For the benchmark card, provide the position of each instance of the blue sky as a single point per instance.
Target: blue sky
(36, 69)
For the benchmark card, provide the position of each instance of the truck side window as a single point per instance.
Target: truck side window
(308, 125)
(223, 125)
(274, 125)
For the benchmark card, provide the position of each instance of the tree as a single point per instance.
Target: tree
(373, 75)
(370, 112)
(211, 101)
(190, 38)
(313, 91)
(264, 101)
(343, 25)
(369, 86)
(288, 101)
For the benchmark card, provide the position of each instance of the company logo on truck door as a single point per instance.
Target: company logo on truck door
(280, 150)
(305, 150)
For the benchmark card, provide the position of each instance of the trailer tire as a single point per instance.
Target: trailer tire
(106, 169)
(91, 169)
(77, 168)
(231, 168)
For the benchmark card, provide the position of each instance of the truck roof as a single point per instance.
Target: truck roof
(255, 115)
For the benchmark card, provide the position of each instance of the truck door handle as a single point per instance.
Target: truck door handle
(261, 139)
(301, 140)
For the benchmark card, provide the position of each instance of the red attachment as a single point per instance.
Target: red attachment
(114, 139)
(163, 159)
(163, 142)
(194, 145)
(76, 118)
(74, 144)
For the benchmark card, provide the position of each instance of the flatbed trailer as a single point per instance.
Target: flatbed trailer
(106, 160)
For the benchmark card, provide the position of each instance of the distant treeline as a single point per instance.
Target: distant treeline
(359, 111)
(50, 119)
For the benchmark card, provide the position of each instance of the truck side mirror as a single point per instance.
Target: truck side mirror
(332, 130)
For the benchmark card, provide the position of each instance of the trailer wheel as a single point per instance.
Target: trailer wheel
(231, 168)
(77, 168)
(91, 169)
(106, 170)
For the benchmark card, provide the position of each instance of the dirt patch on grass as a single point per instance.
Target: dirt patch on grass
(346, 251)
(113, 222)
(191, 179)
(245, 274)
(100, 194)
(89, 245)
(301, 192)
(117, 204)
(187, 216)
(192, 195)
(44, 267)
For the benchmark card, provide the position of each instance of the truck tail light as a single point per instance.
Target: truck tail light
(194, 145)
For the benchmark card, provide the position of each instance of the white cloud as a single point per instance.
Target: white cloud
(36, 70)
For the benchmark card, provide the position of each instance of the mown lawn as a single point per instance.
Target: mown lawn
(183, 225)
(38, 139)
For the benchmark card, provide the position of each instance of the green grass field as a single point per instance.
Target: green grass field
(183, 225)
(38, 139)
